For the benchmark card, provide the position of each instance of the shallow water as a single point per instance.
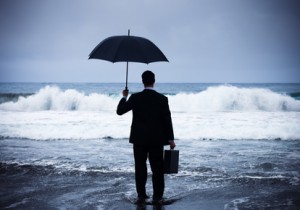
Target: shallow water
(99, 174)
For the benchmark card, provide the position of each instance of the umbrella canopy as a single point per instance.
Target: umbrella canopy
(127, 49)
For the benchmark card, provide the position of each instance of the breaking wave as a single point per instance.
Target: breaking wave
(53, 98)
(231, 98)
(220, 98)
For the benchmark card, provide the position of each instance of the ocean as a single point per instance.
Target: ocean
(62, 146)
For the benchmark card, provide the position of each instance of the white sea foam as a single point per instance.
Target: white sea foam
(93, 125)
(233, 205)
(220, 98)
(223, 112)
(53, 98)
(230, 98)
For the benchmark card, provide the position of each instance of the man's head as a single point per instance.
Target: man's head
(148, 78)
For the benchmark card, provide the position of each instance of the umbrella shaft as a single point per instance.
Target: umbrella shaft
(126, 87)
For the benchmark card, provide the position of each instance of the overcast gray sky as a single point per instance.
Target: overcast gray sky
(204, 40)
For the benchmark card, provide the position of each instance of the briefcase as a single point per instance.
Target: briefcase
(171, 160)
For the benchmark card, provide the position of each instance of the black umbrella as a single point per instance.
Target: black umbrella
(128, 49)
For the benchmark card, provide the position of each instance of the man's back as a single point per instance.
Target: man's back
(151, 122)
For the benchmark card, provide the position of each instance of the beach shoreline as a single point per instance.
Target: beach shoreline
(29, 184)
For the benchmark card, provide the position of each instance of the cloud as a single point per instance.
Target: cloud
(205, 40)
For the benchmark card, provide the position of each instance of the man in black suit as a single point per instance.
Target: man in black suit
(151, 129)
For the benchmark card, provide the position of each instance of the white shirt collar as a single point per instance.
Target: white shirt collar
(148, 88)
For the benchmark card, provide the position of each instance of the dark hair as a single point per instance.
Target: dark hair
(148, 78)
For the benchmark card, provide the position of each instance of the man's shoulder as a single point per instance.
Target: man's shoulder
(136, 94)
(163, 96)
(159, 96)
(153, 92)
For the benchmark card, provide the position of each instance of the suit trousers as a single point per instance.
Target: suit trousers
(155, 154)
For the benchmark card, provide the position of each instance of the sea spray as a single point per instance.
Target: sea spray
(231, 98)
(53, 98)
(219, 112)
(219, 98)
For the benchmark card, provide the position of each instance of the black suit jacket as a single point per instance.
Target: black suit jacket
(151, 120)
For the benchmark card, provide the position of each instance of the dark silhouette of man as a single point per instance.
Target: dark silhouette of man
(151, 129)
